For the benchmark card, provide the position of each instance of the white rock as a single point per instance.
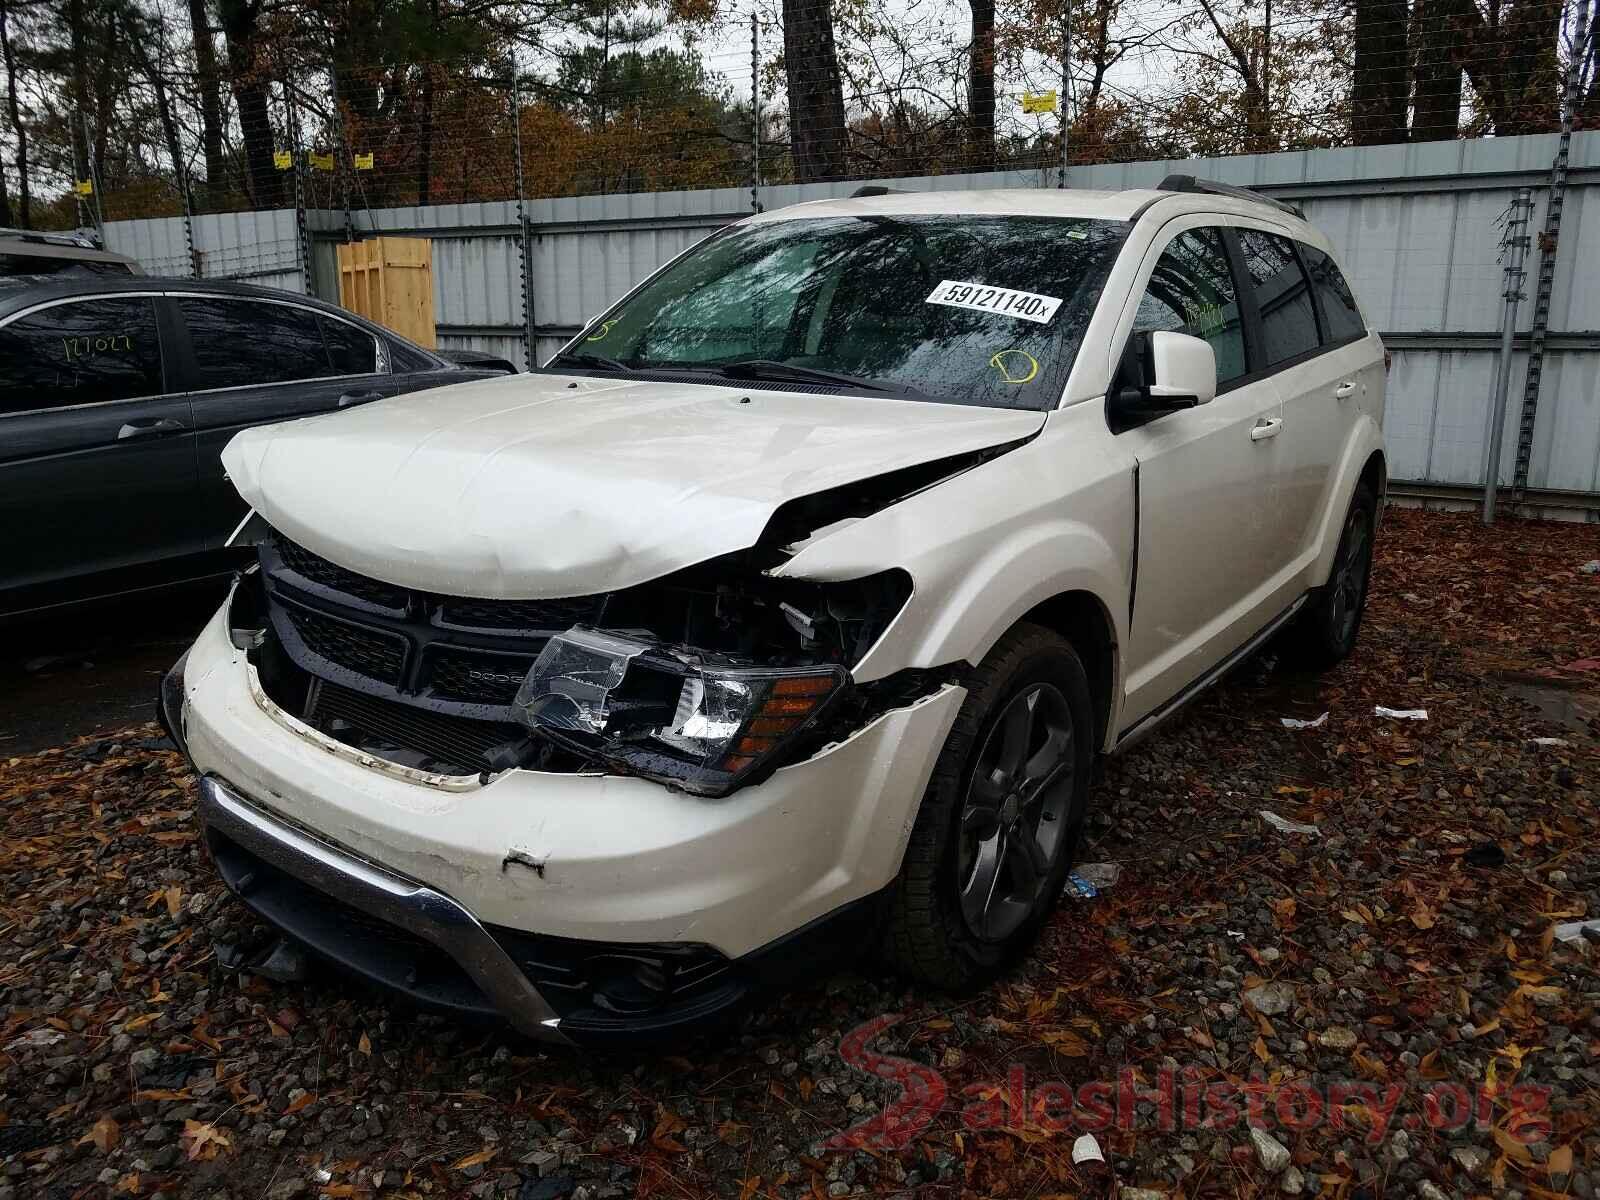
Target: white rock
(1337, 1037)
(1272, 1154)
(1271, 999)
(1293, 1182)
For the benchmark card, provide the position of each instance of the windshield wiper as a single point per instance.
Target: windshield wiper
(591, 361)
(771, 368)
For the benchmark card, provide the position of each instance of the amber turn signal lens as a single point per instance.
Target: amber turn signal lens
(805, 685)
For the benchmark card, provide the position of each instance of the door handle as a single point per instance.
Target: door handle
(150, 428)
(1344, 391)
(353, 398)
(1266, 427)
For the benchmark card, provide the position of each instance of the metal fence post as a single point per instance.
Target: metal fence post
(526, 262)
(755, 108)
(1065, 99)
(1516, 242)
(302, 233)
(1549, 239)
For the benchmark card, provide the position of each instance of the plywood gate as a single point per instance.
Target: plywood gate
(390, 280)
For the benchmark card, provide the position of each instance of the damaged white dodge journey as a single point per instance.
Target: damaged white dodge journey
(785, 611)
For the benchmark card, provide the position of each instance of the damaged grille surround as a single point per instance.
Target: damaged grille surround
(431, 681)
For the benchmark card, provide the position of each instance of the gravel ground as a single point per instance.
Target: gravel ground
(1385, 970)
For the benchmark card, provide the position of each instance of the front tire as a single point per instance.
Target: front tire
(1000, 821)
(1325, 632)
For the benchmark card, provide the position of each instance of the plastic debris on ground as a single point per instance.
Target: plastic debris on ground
(1294, 723)
(1592, 567)
(1401, 714)
(1549, 741)
(1284, 825)
(1086, 1149)
(1089, 880)
(1576, 931)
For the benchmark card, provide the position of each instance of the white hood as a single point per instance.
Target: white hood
(535, 486)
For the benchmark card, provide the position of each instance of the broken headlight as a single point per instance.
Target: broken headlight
(703, 722)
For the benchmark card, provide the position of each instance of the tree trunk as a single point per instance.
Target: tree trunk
(425, 137)
(240, 30)
(205, 61)
(1437, 115)
(980, 88)
(1378, 97)
(816, 94)
(5, 198)
(78, 85)
(14, 110)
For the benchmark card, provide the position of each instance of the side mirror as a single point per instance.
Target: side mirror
(1161, 372)
(1183, 368)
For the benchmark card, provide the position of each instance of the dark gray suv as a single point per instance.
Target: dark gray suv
(117, 396)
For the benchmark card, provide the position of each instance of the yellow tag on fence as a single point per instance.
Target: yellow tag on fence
(1039, 102)
(322, 162)
(83, 187)
(364, 161)
(282, 159)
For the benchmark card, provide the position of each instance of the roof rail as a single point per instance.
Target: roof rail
(50, 238)
(876, 189)
(1190, 183)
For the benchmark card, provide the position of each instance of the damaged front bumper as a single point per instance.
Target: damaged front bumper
(269, 864)
(595, 886)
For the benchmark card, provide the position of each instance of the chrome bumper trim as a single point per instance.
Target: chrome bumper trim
(429, 914)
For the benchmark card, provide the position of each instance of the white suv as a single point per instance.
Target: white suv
(787, 609)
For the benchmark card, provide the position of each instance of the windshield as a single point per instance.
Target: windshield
(961, 309)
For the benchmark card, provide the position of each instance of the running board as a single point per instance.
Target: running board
(1148, 723)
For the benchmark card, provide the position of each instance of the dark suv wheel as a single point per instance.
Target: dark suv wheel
(995, 836)
(1324, 632)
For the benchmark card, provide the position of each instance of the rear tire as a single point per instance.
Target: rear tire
(1000, 821)
(1324, 632)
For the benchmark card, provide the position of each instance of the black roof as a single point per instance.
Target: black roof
(23, 291)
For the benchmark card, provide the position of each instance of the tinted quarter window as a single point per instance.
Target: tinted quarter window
(1339, 311)
(86, 352)
(240, 342)
(353, 351)
(1288, 320)
(402, 358)
(1191, 291)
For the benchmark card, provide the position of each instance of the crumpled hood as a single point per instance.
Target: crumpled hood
(534, 486)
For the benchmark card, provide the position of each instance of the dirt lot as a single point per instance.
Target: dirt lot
(1378, 1008)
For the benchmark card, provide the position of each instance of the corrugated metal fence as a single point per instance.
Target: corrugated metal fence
(1417, 227)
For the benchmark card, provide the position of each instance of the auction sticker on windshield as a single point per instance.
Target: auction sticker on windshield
(1030, 306)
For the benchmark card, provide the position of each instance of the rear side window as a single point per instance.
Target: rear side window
(238, 342)
(1283, 296)
(1191, 291)
(353, 351)
(1339, 311)
(86, 352)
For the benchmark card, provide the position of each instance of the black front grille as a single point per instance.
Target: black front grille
(550, 615)
(378, 656)
(476, 678)
(334, 577)
(435, 741)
